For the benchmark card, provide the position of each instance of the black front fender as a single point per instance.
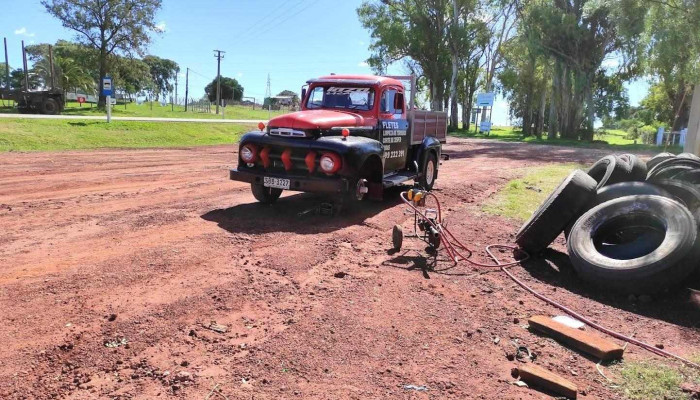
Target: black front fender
(429, 143)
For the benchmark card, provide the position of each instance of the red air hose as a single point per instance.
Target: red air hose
(451, 245)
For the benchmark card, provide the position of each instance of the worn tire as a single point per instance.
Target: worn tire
(686, 192)
(618, 190)
(691, 176)
(638, 168)
(624, 189)
(688, 155)
(425, 181)
(565, 204)
(670, 167)
(658, 158)
(609, 170)
(397, 237)
(264, 194)
(633, 265)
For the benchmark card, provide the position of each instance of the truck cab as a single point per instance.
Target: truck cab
(355, 135)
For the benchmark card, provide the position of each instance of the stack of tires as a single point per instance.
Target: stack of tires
(630, 226)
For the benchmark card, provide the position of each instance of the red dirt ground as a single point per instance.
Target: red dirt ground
(150, 246)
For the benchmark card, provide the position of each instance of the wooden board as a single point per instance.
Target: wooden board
(537, 376)
(584, 341)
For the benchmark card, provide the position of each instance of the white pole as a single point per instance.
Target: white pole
(109, 108)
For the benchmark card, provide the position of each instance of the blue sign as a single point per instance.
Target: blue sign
(107, 86)
(485, 99)
(485, 126)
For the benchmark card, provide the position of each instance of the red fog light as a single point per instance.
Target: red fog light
(287, 159)
(249, 153)
(265, 156)
(330, 163)
(310, 161)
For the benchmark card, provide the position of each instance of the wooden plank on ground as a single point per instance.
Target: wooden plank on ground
(537, 376)
(584, 341)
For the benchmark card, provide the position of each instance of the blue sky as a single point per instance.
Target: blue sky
(291, 40)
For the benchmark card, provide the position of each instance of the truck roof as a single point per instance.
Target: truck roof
(357, 79)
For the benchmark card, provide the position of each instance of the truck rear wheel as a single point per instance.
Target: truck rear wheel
(50, 107)
(264, 194)
(427, 179)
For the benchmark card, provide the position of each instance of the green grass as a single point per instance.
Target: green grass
(45, 135)
(521, 197)
(612, 139)
(642, 380)
(155, 110)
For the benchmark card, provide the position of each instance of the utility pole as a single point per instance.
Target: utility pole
(219, 56)
(187, 86)
(175, 100)
(268, 95)
(7, 68)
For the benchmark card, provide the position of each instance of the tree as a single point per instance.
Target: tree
(230, 89)
(69, 66)
(3, 77)
(417, 29)
(108, 26)
(163, 72)
(132, 76)
(293, 94)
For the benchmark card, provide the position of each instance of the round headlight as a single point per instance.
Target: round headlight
(330, 163)
(327, 163)
(248, 153)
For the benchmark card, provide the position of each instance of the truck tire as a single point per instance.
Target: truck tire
(264, 194)
(658, 158)
(50, 107)
(670, 167)
(635, 244)
(691, 176)
(609, 170)
(687, 193)
(429, 172)
(618, 190)
(638, 168)
(689, 155)
(564, 205)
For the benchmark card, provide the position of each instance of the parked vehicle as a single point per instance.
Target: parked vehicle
(48, 101)
(354, 136)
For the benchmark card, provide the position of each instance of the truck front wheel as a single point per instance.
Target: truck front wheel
(427, 178)
(50, 107)
(264, 194)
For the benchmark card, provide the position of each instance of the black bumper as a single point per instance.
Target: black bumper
(306, 184)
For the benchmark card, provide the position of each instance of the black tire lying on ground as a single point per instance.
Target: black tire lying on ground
(564, 205)
(609, 170)
(624, 189)
(686, 192)
(634, 244)
(668, 168)
(688, 155)
(691, 176)
(638, 168)
(658, 158)
(618, 190)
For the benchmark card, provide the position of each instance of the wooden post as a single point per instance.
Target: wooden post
(692, 140)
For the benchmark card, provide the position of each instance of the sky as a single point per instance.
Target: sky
(292, 41)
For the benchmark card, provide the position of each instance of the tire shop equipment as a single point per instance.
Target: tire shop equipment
(456, 251)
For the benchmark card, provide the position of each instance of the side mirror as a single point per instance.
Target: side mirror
(398, 102)
(303, 94)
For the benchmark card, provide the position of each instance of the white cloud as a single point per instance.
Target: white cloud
(240, 74)
(363, 64)
(161, 26)
(23, 32)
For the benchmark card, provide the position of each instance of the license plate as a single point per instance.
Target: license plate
(278, 183)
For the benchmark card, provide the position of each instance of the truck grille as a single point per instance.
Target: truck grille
(297, 158)
(286, 132)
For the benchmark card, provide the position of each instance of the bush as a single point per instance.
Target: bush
(648, 134)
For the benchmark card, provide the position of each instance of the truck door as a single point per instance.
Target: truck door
(393, 127)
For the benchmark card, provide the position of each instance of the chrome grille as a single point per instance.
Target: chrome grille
(286, 132)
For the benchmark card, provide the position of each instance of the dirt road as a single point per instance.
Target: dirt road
(113, 264)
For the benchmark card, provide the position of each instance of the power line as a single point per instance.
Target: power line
(246, 32)
(288, 17)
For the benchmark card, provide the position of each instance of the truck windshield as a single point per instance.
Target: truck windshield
(351, 98)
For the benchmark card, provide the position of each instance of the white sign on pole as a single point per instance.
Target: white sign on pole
(660, 136)
(485, 99)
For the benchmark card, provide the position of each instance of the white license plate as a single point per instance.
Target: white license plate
(277, 183)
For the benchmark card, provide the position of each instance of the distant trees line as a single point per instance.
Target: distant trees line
(561, 64)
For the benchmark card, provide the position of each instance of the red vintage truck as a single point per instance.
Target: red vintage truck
(354, 136)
